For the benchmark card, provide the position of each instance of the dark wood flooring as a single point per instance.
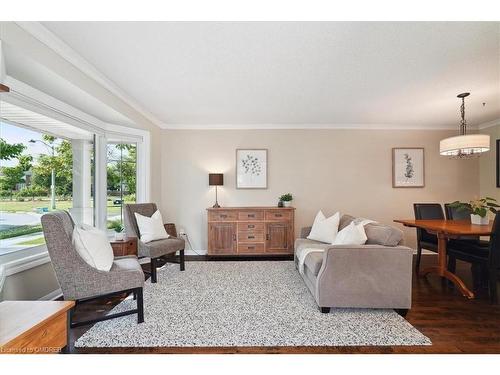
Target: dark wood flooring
(453, 323)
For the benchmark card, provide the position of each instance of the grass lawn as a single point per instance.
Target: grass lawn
(33, 242)
(30, 206)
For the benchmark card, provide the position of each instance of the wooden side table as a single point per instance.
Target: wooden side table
(126, 247)
(31, 327)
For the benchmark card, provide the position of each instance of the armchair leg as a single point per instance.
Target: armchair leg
(153, 270)
(181, 256)
(324, 310)
(140, 305)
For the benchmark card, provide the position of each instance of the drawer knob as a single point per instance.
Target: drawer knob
(251, 237)
(251, 226)
(223, 216)
(278, 215)
(251, 215)
(251, 247)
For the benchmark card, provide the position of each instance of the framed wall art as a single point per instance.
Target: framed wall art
(408, 167)
(251, 168)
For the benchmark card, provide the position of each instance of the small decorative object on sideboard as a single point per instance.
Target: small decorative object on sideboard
(479, 209)
(119, 230)
(286, 200)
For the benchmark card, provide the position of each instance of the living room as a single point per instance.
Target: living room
(250, 187)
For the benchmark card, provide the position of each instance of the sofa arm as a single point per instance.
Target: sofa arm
(371, 276)
(304, 232)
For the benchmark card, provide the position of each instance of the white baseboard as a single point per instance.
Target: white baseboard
(52, 295)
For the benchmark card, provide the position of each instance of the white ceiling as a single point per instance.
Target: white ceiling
(338, 73)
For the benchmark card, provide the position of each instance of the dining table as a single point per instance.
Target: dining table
(444, 230)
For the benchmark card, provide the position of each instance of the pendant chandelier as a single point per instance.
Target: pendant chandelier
(464, 145)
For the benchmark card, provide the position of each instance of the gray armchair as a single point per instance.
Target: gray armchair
(81, 282)
(154, 250)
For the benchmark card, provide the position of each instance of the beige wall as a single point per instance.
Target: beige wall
(487, 166)
(346, 170)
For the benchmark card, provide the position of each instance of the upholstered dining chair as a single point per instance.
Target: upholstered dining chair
(81, 282)
(485, 257)
(426, 240)
(479, 271)
(155, 250)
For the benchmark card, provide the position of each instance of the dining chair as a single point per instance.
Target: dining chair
(479, 273)
(426, 240)
(487, 258)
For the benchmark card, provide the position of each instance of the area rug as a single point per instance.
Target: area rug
(227, 304)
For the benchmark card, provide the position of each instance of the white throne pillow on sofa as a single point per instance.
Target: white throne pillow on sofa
(93, 246)
(151, 228)
(324, 229)
(353, 234)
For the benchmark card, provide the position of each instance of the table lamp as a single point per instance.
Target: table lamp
(215, 179)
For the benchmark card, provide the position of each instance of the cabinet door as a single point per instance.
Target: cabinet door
(278, 237)
(222, 238)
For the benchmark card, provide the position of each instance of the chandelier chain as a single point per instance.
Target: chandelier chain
(463, 123)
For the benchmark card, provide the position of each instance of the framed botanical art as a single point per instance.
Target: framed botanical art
(408, 167)
(251, 168)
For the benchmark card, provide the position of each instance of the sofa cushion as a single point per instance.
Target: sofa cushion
(376, 233)
(313, 261)
(384, 235)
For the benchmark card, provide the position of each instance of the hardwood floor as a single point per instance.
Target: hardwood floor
(453, 323)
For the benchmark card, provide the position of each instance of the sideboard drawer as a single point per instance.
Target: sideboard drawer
(222, 215)
(250, 236)
(250, 248)
(251, 215)
(256, 227)
(278, 215)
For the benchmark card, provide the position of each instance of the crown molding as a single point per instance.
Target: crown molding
(489, 124)
(49, 39)
(304, 127)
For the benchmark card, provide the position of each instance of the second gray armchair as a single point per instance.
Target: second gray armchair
(155, 250)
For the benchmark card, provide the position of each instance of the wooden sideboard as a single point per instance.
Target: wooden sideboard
(250, 230)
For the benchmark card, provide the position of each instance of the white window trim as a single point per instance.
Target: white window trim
(33, 99)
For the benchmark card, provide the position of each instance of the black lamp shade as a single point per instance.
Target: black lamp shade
(215, 179)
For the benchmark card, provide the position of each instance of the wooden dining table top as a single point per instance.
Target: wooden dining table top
(456, 227)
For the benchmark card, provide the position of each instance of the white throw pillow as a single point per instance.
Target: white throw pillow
(353, 234)
(93, 246)
(324, 229)
(151, 228)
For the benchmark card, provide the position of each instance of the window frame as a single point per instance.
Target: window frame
(32, 99)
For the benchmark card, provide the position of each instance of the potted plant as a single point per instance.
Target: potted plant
(479, 209)
(119, 230)
(286, 199)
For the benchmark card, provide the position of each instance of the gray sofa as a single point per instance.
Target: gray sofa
(375, 275)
